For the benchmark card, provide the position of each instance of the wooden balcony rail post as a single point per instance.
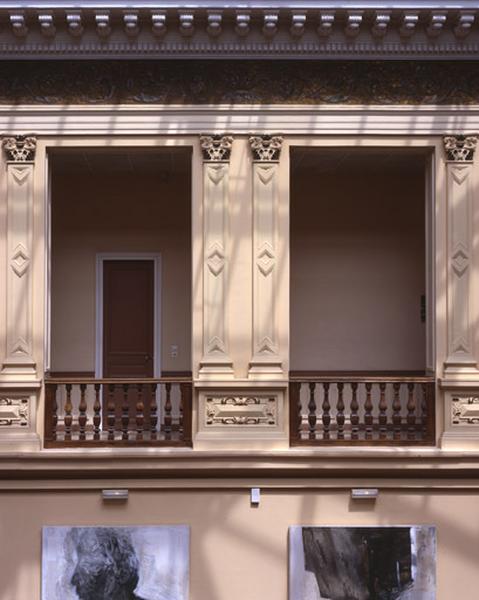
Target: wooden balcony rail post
(340, 412)
(186, 390)
(411, 412)
(296, 412)
(125, 413)
(312, 411)
(383, 419)
(397, 420)
(368, 408)
(326, 407)
(82, 418)
(168, 407)
(139, 413)
(111, 417)
(51, 412)
(354, 411)
(68, 419)
(96, 412)
(153, 412)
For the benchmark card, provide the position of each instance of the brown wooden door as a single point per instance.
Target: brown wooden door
(128, 318)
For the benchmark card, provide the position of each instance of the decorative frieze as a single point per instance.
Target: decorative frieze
(14, 412)
(241, 410)
(465, 410)
(216, 151)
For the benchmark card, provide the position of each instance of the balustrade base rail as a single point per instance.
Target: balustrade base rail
(87, 412)
(348, 409)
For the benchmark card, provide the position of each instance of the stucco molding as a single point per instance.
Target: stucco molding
(240, 410)
(20, 148)
(460, 148)
(14, 412)
(465, 410)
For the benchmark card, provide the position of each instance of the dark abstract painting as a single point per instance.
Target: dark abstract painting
(362, 563)
(115, 563)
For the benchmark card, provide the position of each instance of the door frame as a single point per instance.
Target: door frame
(100, 259)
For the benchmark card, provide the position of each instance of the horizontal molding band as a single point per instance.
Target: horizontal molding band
(239, 119)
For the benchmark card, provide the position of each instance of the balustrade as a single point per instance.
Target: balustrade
(352, 409)
(118, 412)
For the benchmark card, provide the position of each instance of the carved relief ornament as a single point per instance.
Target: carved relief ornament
(13, 412)
(216, 148)
(465, 411)
(460, 148)
(20, 148)
(241, 410)
(266, 148)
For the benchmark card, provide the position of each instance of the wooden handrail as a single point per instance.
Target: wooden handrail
(115, 380)
(361, 376)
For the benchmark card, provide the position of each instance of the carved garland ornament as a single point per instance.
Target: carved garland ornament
(216, 148)
(465, 411)
(241, 410)
(13, 412)
(460, 148)
(20, 148)
(266, 148)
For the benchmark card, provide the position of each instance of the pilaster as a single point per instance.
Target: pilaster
(267, 360)
(461, 372)
(216, 361)
(461, 360)
(19, 383)
(20, 155)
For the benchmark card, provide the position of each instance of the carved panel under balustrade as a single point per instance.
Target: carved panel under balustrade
(361, 409)
(118, 412)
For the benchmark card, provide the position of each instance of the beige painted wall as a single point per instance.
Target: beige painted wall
(239, 552)
(357, 261)
(138, 211)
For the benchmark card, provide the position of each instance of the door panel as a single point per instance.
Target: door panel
(128, 318)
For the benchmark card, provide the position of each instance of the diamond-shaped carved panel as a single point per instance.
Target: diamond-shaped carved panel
(460, 260)
(266, 259)
(216, 259)
(20, 260)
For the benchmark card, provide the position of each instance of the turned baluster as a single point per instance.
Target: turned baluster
(82, 418)
(312, 418)
(110, 408)
(140, 419)
(396, 412)
(168, 419)
(368, 410)
(125, 412)
(383, 419)
(354, 412)
(153, 412)
(68, 420)
(97, 412)
(340, 412)
(326, 416)
(296, 413)
(411, 412)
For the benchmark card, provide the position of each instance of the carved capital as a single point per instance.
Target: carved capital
(20, 148)
(460, 148)
(266, 148)
(216, 148)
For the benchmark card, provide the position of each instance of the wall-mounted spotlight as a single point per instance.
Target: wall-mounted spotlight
(364, 493)
(114, 495)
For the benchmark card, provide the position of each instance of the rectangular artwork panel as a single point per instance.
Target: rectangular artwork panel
(116, 563)
(362, 563)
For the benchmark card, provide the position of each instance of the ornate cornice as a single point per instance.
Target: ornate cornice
(266, 148)
(299, 29)
(460, 148)
(216, 148)
(20, 148)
